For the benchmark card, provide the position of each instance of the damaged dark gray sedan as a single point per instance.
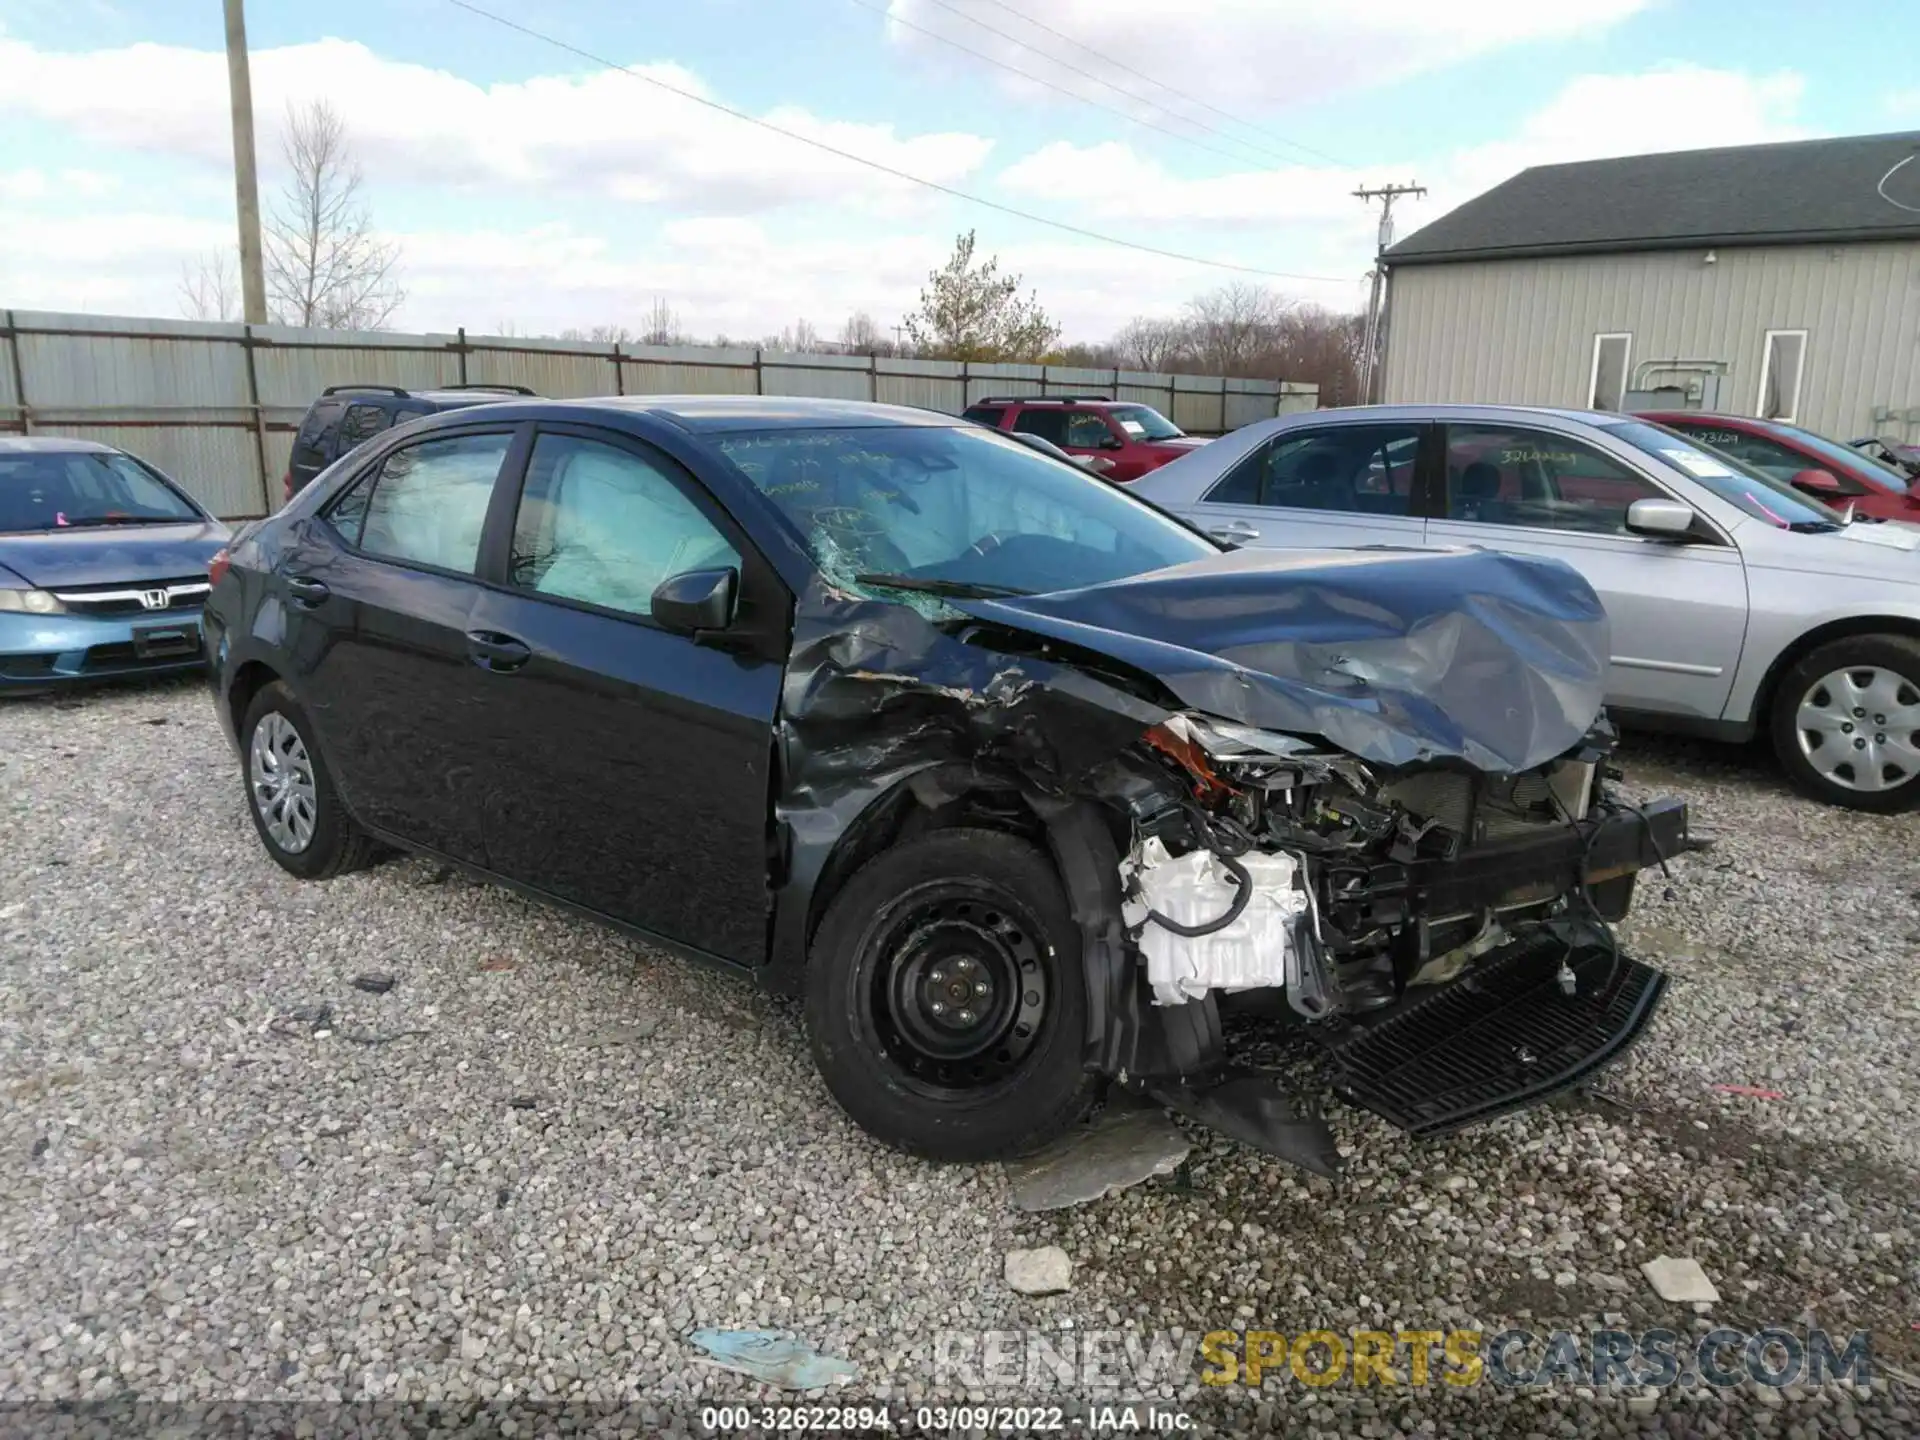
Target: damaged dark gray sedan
(1017, 781)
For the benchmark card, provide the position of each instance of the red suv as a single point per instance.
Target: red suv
(1133, 438)
(1830, 472)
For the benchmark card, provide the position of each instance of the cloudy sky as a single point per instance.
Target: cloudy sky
(529, 185)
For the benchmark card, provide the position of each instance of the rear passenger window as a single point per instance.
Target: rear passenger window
(361, 423)
(986, 415)
(606, 526)
(1047, 424)
(309, 446)
(1355, 469)
(428, 502)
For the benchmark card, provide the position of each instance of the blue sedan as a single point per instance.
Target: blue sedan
(103, 565)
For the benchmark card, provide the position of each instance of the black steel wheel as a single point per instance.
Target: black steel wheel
(945, 1002)
(960, 995)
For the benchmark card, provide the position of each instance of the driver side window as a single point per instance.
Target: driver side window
(602, 525)
(1087, 430)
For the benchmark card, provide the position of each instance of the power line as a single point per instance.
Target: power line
(880, 166)
(1076, 70)
(1071, 94)
(1142, 75)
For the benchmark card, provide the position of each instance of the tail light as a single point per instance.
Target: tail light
(217, 566)
(286, 487)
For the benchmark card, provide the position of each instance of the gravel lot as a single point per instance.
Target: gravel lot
(569, 1152)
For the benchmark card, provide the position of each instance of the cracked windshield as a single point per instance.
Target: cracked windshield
(954, 511)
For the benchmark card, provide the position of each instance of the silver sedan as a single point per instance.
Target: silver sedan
(1737, 604)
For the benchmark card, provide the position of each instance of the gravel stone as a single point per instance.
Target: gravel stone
(199, 1203)
(1046, 1271)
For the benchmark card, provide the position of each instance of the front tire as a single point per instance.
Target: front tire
(945, 1003)
(290, 795)
(1846, 723)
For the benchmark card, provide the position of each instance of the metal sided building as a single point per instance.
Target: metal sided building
(1775, 280)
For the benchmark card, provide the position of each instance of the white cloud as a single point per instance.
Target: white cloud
(1112, 181)
(1239, 54)
(602, 132)
(22, 185)
(1671, 108)
(719, 266)
(1674, 107)
(126, 263)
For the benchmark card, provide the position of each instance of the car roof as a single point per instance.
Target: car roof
(1048, 400)
(52, 445)
(442, 399)
(1712, 416)
(717, 414)
(1442, 410)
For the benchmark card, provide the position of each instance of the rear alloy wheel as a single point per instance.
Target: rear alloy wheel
(945, 1003)
(290, 795)
(1846, 723)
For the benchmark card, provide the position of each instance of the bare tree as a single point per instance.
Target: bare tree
(1252, 333)
(210, 288)
(860, 336)
(1154, 345)
(799, 337)
(1233, 325)
(663, 325)
(973, 312)
(600, 334)
(326, 265)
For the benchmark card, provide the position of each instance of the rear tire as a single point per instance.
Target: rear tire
(945, 1003)
(295, 808)
(1846, 723)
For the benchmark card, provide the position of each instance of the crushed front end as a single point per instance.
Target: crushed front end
(1446, 932)
(1365, 795)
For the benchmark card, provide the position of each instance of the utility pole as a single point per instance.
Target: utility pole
(246, 181)
(1370, 359)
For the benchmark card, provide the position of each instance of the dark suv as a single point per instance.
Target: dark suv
(1134, 438)
(349, 415)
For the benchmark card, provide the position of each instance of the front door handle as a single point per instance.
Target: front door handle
(1235, 530)
(491, 650)
(306, 591)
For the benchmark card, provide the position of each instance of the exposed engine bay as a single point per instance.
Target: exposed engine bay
(1263, 862)
(1288, 865)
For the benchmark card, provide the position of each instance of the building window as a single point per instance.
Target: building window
(1607, 381)
(1780, 371)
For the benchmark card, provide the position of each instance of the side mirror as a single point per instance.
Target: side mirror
(1819, 483)
(1660, 519)
(1112, 442)
(695, 602)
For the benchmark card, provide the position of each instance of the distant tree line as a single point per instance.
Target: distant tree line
(327, 267)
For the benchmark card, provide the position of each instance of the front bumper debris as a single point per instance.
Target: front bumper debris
(1502, 1037)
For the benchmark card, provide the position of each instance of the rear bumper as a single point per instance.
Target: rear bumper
(44, 652)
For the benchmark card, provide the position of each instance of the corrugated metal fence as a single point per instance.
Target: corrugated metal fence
(216, 405)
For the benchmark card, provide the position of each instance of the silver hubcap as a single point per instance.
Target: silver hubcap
(282, 777)
(1860, 728)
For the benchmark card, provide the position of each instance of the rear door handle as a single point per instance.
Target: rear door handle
(1235, 530)
(307, 592)
(491, 650)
